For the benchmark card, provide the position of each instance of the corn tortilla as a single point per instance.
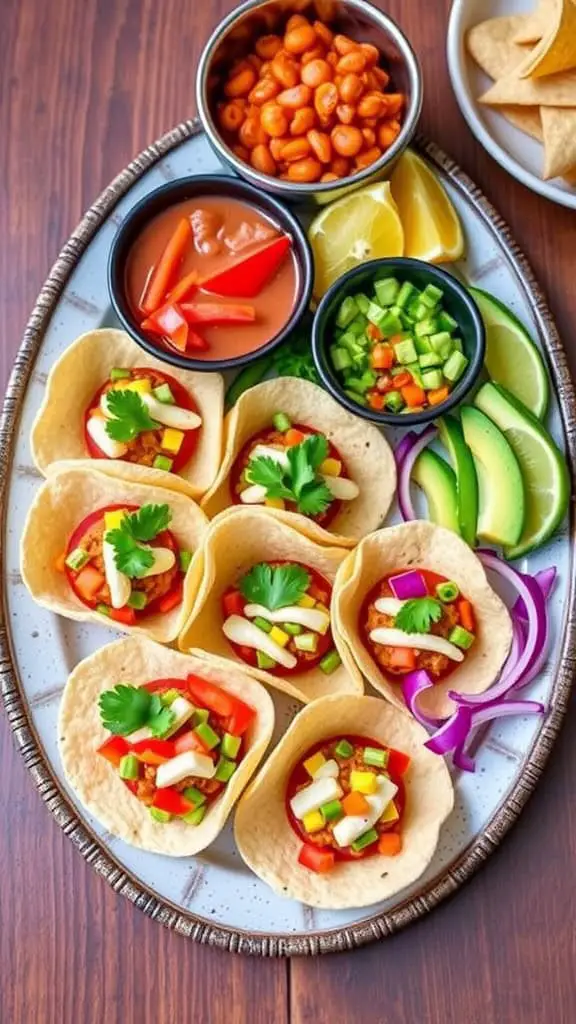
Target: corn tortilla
(556, 50)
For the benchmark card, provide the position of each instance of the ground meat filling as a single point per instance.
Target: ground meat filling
(153, 586)
(146, 786)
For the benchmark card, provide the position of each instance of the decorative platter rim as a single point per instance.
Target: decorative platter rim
(92, 849)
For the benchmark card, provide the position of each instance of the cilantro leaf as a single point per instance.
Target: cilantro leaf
(418, 614)
(300, 482)
(161, 723)
(129, 557)
(147, 522)
(124, 709)
(131, 416)
(274, 586)
(269, 474)
(314, 499)
(314, 449)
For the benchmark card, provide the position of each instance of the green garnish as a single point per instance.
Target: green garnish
(447, 592)
(77, 559)
(127, 708)
(330, 662)
(206, 734)
(135, 529)
(299, 482)
(131, 417)
(418, 614)
(194, 796)
(343, 749)
(366, 839)
(376, 757)
(461, 637)
(274, 586)
(160, 816)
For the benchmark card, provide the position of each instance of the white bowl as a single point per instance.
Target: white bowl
(515, 151)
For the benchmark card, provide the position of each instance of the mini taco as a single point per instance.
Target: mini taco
(290, 446)
(415, 598)
(158, 745)
(264, 601)
(109, 401)
(348, 808)
(97, 548)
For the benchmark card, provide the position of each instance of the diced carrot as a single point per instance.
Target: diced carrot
(403, 657)
(413, 395)
(355, 803)
(184, 288)
(438, 395)
(292, 437)
(60, 563)
(466, 615)
(374, 332)
(88, 582)
(382, 357)
(389, 844)
(401, 379)
(166, 269)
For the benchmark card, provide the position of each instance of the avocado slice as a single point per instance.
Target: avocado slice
(438, 481)
(501, 504)
(452, 436)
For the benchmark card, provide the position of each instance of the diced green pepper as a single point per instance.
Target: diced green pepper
(262, 624)
(376, 757)
(77, 559)
(461, 637)
(201, 715)
(162, 817)
(184, 559)
(330, 662)
(447, 592)
(137, 600)
(366, 839)
(194, 795)
(343, 749)
(118, 373)
(194, 817)
(332, 810)
(225, 769)
(387, 290)
(230, 745)
(129, 767)
(163, 394)
(393, 401)
(454, 366)
(405, 352)
(347, 311)
(264, 661)
(432, 380)
(207, 736)
(281, 422)
(422, 310)
(163, 462)
(415, 371)
(292, 628)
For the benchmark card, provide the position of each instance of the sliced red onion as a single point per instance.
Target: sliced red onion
(412, 685)
(453, 733)
(407, 585)
(518, 643)
(507, 707)
(405, 467)
(462, 760)
(545, 580)
(404, 446)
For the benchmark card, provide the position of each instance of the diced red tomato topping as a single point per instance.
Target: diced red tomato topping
(233, 603)
(153, 751)
(171, 801)
(114, 749)
(398, 762)
(126, 616)
(316, 858)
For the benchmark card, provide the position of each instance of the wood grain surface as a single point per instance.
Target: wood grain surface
(84, 85)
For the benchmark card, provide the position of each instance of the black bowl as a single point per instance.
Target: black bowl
(456, 301)
(176, 192)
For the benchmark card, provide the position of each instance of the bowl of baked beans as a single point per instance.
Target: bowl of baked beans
(309, 100)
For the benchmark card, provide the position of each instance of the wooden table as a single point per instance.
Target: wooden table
(84, 85)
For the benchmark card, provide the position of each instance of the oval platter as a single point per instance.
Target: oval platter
(214, 898)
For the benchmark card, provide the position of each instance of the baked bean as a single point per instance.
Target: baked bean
(347, 140)
(261, 158)
(321, 145)
(326, 99)
(293, 99)
(332, 58)
(316, 53)
(323, 33)
(238, 65)
(346, 113)
(371, 105)
(264, 91)
(232, 115)
(393, 103)
(354, 62)
(267, 46)
(303, 120)
(251, 132)
(343, 44)
(329, 176)
(381, 77)
(255, 61)
(266, 69)
(327, 121)
(305, 171)
(276, 147)
(387, 133)
(369, 156)
(351, 88)
(369, 122)
(340, 167)
(240, 84)
(285, 70)
(371, 53)
(295, 149)
(241, 152)
(370, 81)
(369, 136)
(295, 21)
(299, 39)
(274, 120)
(315, 73)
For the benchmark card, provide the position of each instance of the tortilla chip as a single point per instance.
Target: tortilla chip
(270, 846)
(366, 454)
(556, 51)
(559, 127)
(97, 784)
(63, 501)
(490, 44)
(237, 540)
(534, 25)
(58, 430)
(553, 91)
(422, 545)
(526, 119)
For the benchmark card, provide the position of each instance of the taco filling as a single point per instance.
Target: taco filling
(417, 620)
(123, 561)
(345, 799)
(143, 416)
(175, 743)
(277, 618)
(293, 467)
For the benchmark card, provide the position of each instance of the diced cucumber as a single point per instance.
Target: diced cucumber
(422, 310)
(454, 366)
(422, 345)
(306, 642)
(262, 623)
(348, 340)
(163, 394)
(363, 302)
(347, 311)
(446, 322)
(428, 359)
(405, 295)
(432, 380)
(386, 290)
(376, 314)
(405, 352)
(357, 326)
(442, 344)
(431, 296)
(457, 342)
(414, 370)
(77, 559)
(391, 324)
(427, 326)
(264, 661)
(340, 358)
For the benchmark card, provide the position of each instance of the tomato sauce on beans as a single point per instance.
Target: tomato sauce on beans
(321, 89)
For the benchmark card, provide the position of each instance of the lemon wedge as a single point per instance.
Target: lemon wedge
(432, 230)
(363, 225)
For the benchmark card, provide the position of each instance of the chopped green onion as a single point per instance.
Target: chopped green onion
(194, 796)
(330, 662)
(366, 839)
(343, 749)
(117, 373)
(376, 757)
(332, 810)
(207, 736)
(281, 422)
(225, 769)
(292, 628)
(169, 697)
(230, 745)
(194, 817)
(129, 767)
(77, 559)
(262, 624)
(461, 637)
(201, 715)
(137, 600)
(447, 592)
(160, 816)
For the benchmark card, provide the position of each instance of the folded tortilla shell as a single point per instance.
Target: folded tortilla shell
(556, 50)
(97, 785)
(269, 845)
(366, 453)
(58, 430)
(237, 540)
(62, 502)
(421, 545)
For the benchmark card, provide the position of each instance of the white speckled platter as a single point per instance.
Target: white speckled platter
(214, 897)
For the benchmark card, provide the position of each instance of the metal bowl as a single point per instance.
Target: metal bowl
(355, 18)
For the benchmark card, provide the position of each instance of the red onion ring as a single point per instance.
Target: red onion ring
(412, 685)
(404, 446)
(405, 461)
(545, 579)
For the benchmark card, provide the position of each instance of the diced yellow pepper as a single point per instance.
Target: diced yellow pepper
(313, 821)
(363, 782)
(279, 636)
(390, 814)
(142, 385)
(306, 602)
(314, 763)
(331, 467)
(322, 607)
(275, 502)
(172, 440)
(113, 520)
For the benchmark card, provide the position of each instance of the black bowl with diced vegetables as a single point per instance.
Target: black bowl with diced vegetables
(398, 341)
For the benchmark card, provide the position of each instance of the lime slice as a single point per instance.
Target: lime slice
(512, 358)
(543, 467)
